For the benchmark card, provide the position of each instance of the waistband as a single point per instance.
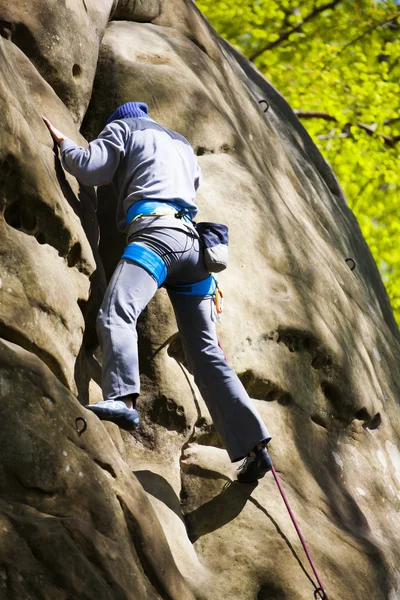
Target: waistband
(157, 208)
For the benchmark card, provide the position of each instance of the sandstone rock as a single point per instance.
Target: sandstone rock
(61, 40)
(79, 519)
(45, 229)
(136, 10)
(314, 343)
(159, 60)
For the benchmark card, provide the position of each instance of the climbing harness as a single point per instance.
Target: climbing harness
(351, 262)
(84, 426)
(264, 102)
(149, 260)
(214, 237)
(319, 593)
(155, 208)
(154, 264)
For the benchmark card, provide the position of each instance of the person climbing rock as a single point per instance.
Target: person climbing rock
(155, 174)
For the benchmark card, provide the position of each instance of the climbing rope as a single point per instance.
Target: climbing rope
(319, 593)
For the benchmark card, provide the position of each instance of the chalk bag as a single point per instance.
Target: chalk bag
(214, 237)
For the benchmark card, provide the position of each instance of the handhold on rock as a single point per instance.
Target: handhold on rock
(84, 426)
(351, 262)
(264, 102)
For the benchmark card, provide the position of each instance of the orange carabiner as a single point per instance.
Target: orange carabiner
(219, 301)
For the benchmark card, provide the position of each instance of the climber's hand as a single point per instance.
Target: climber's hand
(56, 134)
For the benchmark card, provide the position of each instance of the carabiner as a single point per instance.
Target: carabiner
(219, 301)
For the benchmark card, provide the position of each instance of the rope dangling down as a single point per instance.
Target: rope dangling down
(319, 593)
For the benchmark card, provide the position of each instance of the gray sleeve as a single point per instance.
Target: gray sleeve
(97, 164)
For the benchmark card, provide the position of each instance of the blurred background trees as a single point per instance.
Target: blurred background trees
(337, 63)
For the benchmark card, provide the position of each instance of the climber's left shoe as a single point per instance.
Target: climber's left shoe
(117, 412)
(255, 467)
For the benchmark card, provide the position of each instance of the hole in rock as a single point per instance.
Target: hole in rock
(293, 343)
(167, 413)
(331, 393)
(271, 591)
(76, 70)
(260, 388)
(319, 420)
(201, 151)
(41, 238)
(105, 466)
(285, 399)
(225, 148)
(28, 220)
(19, 216)
(369, 423)
(74, 255)
(373, 423)
(12, 216)
(25, 40)
(6, 29)
(363, 415)
(320, 361)
(272, 395)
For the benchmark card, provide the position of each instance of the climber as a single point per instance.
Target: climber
(155, 174)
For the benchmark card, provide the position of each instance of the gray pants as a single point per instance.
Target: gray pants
(130, 289)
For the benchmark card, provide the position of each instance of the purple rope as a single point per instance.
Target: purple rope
(302, 540)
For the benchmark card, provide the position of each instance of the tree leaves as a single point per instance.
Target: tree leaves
(342, 59)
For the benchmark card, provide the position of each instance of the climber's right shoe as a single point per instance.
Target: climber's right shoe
(117, 412)
(255, 467)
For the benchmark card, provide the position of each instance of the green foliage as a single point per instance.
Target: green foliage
(342, 61)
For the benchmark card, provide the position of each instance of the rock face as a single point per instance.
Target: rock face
(314, 342)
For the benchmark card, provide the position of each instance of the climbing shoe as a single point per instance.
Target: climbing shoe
(255, 467)
(117, 412)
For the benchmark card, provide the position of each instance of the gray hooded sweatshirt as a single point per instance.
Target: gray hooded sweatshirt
(144, 161)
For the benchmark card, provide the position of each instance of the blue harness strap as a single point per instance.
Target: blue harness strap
(205, 287)
(154, 264)
(155, 208)
(149, 260)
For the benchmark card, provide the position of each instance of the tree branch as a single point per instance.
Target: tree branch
(320, 114)
(360, 37)
(315, 114)
(390, 140)
(390, 121)
(285, 34)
